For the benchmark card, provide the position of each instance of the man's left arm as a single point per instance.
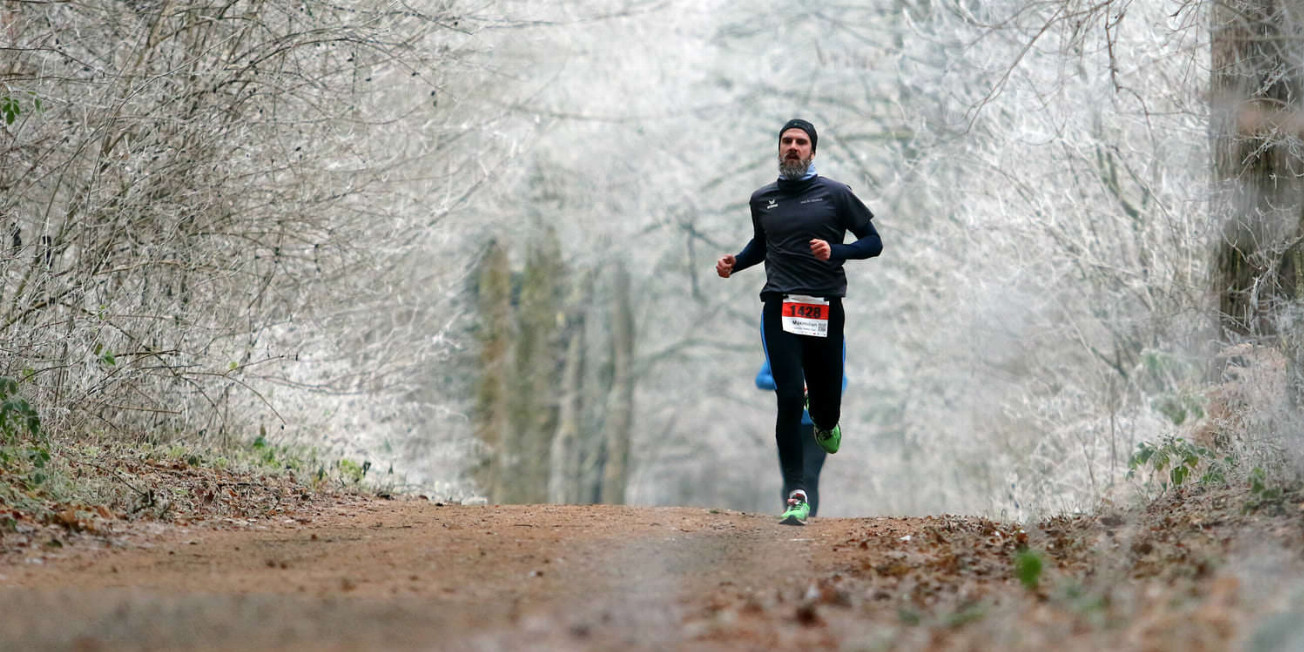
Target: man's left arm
(867, 245)
(858, 219)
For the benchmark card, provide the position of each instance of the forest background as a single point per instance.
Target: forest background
(466, 249)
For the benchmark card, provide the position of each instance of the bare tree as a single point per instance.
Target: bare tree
(1258, 153)
(191, 191)
(493, 394)
(620, 416)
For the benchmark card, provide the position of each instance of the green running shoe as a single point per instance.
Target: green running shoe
(798, 509)
(829, 440)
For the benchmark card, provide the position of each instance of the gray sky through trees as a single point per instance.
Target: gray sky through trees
(1039, 172)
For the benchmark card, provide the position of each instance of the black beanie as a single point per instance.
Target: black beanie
(807, 127)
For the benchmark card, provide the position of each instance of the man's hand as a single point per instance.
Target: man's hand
(724, 266)
(821, 249)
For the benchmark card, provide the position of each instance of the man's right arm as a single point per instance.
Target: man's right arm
(751, 254)
(754, 252)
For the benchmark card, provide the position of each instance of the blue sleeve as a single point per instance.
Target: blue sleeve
(764, 378)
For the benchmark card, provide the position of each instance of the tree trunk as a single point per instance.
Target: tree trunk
(493, 423)
(1256, 125)
(564, 476)
(621, 415)
(534, 395)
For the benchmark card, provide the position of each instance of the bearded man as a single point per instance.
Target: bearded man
(799, 223)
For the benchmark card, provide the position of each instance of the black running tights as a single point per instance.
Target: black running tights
(802, 362)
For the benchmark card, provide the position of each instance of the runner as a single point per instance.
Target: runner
(798, 224)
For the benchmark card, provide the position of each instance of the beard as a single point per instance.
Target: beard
(793, 169)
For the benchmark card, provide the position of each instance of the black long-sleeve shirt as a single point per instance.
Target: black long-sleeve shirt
(787, 215)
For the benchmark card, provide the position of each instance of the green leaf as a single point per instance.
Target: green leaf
(1160, 460)
(38, 457)
(1178, 475)
(1142, 456)
(9, 106)
(1027, 567)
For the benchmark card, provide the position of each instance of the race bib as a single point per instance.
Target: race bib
(806, 315)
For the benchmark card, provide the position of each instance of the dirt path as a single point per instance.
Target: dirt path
(353, 573)
(406, 574)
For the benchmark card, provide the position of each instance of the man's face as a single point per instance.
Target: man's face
(794, 153)
(794, 144)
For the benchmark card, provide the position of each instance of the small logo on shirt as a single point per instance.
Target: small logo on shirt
(772, 204)
(812, 201)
